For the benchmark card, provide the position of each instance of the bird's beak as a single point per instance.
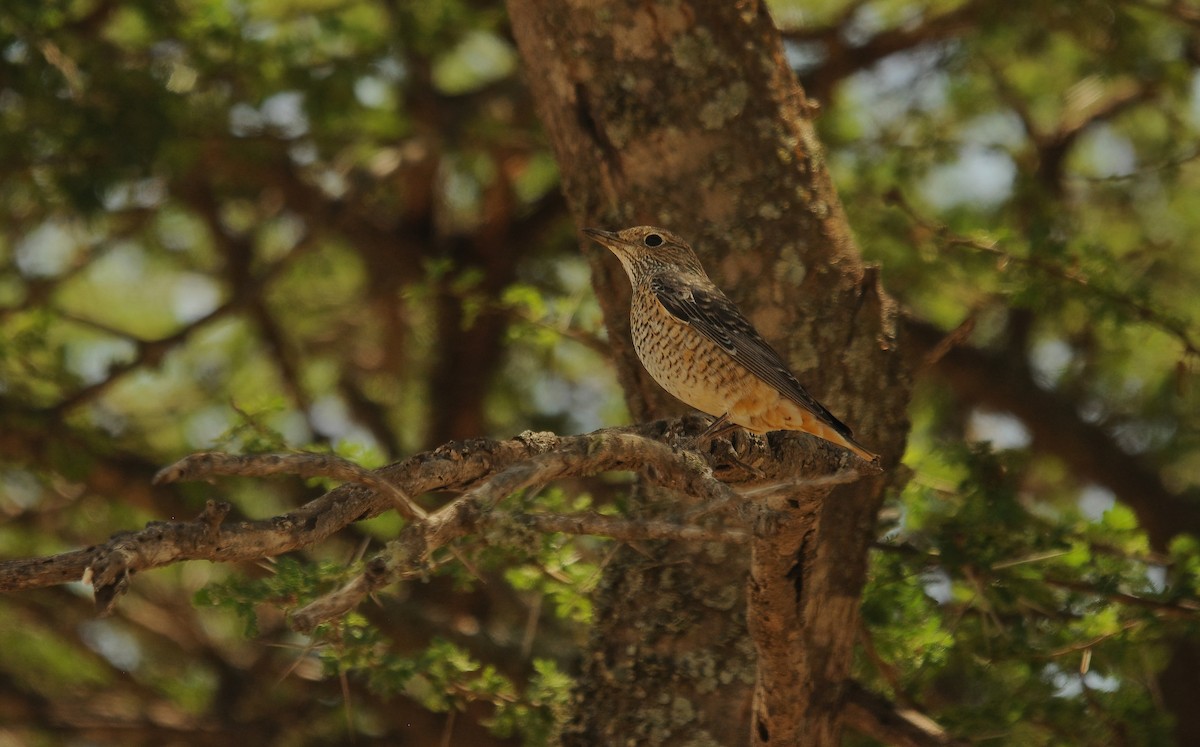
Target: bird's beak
(607, 239)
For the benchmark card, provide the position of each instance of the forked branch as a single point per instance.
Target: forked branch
(487, 470)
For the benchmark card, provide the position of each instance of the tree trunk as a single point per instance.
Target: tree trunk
(685, 115)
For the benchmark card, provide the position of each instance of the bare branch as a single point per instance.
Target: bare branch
(301, 464)
(488, 470)
(451, 467)
(1185, 608)
(844, 58)
(627, 530)
(772, 494)
(149, 353)
(406, 555)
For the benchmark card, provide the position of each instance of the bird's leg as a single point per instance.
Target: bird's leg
(719, 427)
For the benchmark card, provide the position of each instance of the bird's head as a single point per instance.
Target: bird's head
(646, 250)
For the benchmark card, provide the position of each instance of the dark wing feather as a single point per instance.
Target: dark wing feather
(712, 314)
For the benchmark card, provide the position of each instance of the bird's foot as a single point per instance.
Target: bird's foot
(717, 428)
(725, 451)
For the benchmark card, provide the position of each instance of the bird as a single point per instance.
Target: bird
(700, 347)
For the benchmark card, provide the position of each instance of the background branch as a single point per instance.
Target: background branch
(1056, 427)
(874, 716)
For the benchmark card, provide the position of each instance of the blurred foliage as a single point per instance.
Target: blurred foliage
(335, 225)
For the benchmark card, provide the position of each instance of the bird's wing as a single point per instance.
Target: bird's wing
(712, 314)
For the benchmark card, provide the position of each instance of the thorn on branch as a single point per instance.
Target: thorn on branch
(106, 596)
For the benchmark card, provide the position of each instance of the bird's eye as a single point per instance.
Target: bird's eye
(652, 240)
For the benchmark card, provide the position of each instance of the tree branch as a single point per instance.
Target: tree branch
(876, 717)
(1138, 309)
(488, 470)
(1056, 427)
(406, 556)
(1184, 607)
(149, 353)
(843, 57)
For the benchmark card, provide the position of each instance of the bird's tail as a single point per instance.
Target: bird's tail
(862, 452)
(845, 440)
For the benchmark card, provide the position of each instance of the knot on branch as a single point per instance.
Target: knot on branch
(213, 514)
(110, 571)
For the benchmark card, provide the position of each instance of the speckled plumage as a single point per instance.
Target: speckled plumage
(700, 347)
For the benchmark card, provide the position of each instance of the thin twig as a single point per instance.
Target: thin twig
(948, 238)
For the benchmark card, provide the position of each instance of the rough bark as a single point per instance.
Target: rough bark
(685, 115)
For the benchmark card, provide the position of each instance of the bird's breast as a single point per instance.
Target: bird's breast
(687, 364)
